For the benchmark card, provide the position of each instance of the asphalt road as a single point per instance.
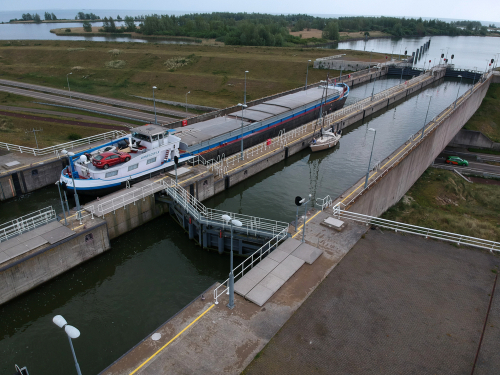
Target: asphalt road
(107, 109)
(94, 98)
(473, 156)
(473, 168)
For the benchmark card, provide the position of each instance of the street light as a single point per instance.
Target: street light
(373, 89)
(72, 333)
(154, 102)
(307, 72)
(67, 79)
(305, 217)
(245, 97)
(370, 63)
(373, 144)
(69, 155)
(189, 92)
(458, 92)
(425, 121)
(236, 223)
(62, 203)
(243, 106)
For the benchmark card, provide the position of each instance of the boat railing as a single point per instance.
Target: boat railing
(56, 149)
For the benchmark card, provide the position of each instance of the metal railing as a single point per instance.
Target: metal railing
(26, 223)
(68, 145)
(210, 216)
(249, 262)
(459, 239)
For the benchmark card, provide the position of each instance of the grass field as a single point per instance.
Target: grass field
(442, 200)
(487, 117)
(213, 74)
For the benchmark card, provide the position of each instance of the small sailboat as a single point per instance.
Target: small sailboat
(328, 139)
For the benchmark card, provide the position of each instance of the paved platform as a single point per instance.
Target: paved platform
(395, 305)
(265, 278)
(45, 234)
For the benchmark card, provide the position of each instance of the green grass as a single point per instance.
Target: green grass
(487, 117)
(443, 200)
(215, 74)
(484, 151)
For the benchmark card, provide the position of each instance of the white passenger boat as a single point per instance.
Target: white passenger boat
(328, 139)
(146, 151)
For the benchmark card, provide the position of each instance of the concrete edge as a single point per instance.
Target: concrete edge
(15, 263)
(157, 328)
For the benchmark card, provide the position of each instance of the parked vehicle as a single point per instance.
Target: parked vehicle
(456, 161)
(108, 159)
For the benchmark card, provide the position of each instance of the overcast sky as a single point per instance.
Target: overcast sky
(484, 10)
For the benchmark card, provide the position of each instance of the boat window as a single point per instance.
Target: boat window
(141, 137)
(132, 167)
(155, 137)
(98, 157)
(160, 135)
(111, 174)
(152, 160)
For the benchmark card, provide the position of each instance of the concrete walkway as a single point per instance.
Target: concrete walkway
(394, 305)
(205, 338)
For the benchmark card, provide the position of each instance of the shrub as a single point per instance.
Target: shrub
(74, 136)
(68, 30)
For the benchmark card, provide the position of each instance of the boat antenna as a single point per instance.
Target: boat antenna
(320, 115)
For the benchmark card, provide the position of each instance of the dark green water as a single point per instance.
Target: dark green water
(152, 272)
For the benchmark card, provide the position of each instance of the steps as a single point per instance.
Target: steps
(265, 279)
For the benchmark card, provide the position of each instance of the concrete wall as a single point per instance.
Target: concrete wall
(133, 215)
(43, 264)
(391, 188)
(472, 138)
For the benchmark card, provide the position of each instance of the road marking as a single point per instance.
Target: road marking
(168, 343)
(312, 217)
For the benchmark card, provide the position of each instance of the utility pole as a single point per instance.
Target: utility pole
(34, 133)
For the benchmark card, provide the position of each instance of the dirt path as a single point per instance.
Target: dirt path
(64, 114)
(59, 121)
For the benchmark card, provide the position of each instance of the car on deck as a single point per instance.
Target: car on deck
(108, 159)
(456, 161)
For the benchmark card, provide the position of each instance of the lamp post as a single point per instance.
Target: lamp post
(245, 96)
(69, 155)
(370, 63)
(373, 144)
(236, 223)
(425, 121)
(373, 89)
(154, 102)
(458, 92)
(72, 333)
(67, 80)
(243, 106)
(305, 218)
(62, 203)
(189, 92)
(307, 72)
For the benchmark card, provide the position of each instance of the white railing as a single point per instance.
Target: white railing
(26, 223)
(249, 262)
(324, 203)
(68, 145)
(210, 216)
(459, 239)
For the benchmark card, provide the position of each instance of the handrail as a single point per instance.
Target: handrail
(460, 239)
(249, 262)
(26, 223)
(68, 145)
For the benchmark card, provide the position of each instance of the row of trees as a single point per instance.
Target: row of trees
(86, 16)
(31, 17)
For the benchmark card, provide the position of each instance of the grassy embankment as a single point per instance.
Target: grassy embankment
(487, 117)
(442, 200)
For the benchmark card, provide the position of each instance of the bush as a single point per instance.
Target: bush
(74, 136)
(68, 30)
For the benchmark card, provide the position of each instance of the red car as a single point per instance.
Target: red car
(108, 159)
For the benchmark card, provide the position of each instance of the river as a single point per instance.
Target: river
(119, 297)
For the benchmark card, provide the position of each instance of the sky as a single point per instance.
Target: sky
(481, 10)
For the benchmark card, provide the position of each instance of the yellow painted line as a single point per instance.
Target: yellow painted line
(299, 228)
(352, 192)
(168, 343)
(78, 227)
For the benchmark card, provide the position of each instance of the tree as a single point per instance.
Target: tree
(105, 24)
(36, 18)
(27, 17)
(129, 23)
(331, 31)
(53, 17)
(118, 18)
(87, 26)
(112, 26)
(48, 16)
(81, 16)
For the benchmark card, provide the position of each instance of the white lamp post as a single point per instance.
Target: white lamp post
(373, 144)
(370, 63)
(307, 72)
(458, 92)
(77, 201)
(154, 103)
(67, 80)
(425, 121)
(236, 223)
(305, 217)
(243, 106)
(245, 97)
(189, 92)
(72, 333)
